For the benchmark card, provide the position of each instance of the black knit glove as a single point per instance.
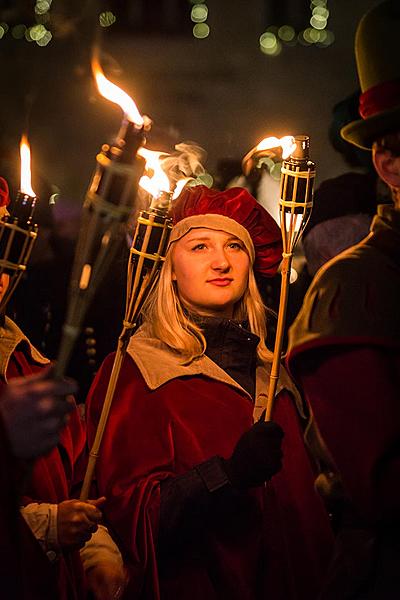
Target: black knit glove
(256, 457)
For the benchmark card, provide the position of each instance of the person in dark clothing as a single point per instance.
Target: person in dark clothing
(186, 452)
(344, 347)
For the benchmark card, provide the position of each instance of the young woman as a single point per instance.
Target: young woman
(185, 455)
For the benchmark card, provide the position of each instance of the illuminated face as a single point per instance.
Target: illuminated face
(211, 270)
(4, 283)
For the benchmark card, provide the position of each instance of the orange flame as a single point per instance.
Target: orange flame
(158, 182)
(112, 92)
(287, 144)
(25, 153)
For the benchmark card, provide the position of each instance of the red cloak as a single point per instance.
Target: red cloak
(279, 549)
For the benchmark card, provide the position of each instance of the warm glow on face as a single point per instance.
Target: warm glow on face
(25, 153)
(287, 144)
(113, 93)
(211, 271)
(157, 182)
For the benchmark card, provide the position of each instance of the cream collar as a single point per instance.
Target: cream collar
(147, 351)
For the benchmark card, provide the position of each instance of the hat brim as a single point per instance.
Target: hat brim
(364, 132)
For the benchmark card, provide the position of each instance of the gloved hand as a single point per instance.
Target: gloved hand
(257, 456)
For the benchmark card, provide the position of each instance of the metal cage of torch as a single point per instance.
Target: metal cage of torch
(295, 204)
(108, 204)
(147, 254)
(18, 233)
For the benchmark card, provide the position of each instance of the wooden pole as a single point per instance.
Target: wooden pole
(280, 331)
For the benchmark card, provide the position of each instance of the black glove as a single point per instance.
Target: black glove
(257, 456)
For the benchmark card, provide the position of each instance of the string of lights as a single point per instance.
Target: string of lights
(276, 37)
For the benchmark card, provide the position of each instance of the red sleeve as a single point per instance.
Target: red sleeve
(354, 394)
(136, 453)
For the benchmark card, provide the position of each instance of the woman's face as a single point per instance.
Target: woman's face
(211, 270)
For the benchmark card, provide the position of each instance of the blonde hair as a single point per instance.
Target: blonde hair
(164, 314)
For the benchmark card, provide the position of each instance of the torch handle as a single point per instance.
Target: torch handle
(280, 330)
(112, 384)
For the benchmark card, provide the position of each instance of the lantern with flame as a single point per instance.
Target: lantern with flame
(295, 205)
(18, 230)
(108, 204)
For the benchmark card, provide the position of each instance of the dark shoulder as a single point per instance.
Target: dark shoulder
(352, 297)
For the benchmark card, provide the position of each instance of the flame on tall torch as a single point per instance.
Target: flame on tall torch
(25, 153)
(287, 144)
(112, 92)
(268, 147)
(157, 182)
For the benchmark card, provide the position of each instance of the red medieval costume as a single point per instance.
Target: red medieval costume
(344, 350)
(170, 423)
(52, 475)
(25, 572)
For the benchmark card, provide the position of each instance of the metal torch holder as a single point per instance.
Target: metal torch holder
(102, 227)
(147, 254)
(295, 204)
(17, 237)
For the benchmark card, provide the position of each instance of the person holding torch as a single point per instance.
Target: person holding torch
(344, 347)
(186, 452)
(62, 526)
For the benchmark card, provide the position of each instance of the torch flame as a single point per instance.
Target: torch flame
(25, 153)
(113, 93)
(287, 144)
(158, 182)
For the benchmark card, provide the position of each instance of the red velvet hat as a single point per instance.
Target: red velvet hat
(4, 197)
(235, 211)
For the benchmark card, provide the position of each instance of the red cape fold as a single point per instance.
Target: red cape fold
(279, 549)
(52, 479)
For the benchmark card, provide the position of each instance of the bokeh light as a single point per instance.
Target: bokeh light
(201, 31)
(46, 39)
(107, 18)
(37, 32)
(327, 38)
(286, 33)
(318, 22)
(199, 13)
(268, 41)
(322, 11)
(42, 6)
(18, 31)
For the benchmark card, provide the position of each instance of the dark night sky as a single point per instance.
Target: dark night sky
(220, 91)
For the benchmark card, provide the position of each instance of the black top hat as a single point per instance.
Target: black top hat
(377, 49)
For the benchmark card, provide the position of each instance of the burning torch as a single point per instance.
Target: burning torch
(295, 204)
(18, 230)
(149, 246)
(108, 205)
